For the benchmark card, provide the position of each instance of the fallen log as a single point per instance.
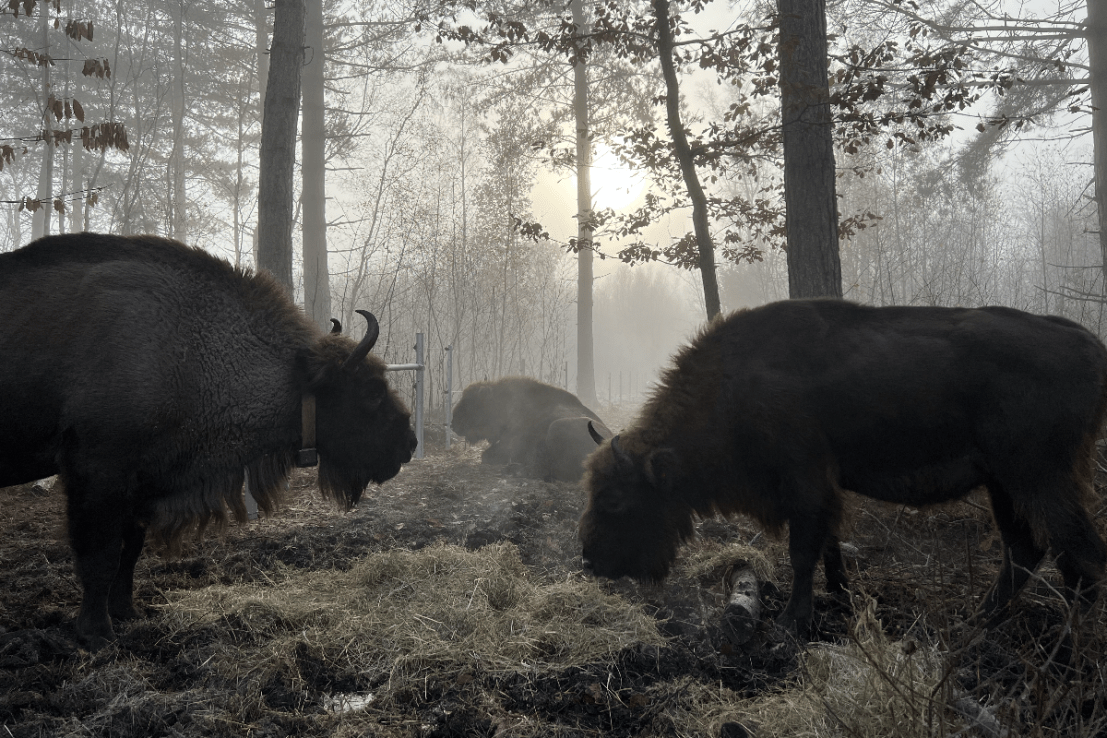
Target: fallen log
(742, 614)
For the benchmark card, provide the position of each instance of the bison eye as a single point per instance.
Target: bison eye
(614, 502)
(374, 391)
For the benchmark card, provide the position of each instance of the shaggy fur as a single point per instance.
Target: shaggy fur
(772, 412)
(542, 427)
(148, 375)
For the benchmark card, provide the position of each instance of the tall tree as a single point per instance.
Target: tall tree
(1095, 31)
(586, 370)
(683, 152)
(811, 210)
(313, 164)
(40, 223)
(278, 142)
(178, 202)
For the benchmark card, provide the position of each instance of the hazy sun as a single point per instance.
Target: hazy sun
(613, 185)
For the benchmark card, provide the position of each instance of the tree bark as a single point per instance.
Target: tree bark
(261, 48)
(1096, 34)
(586, 369)
(317, 291)
(814, 269)
(40, 219)
(177, 202)
(278, 142)
(683, 152)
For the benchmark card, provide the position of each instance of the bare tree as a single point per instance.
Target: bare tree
(1095, 30)
(177, 200)
(317, 290)
(586, 371)
(278, 142)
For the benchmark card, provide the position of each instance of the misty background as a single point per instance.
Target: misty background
(434, 155)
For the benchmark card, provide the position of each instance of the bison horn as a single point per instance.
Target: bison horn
(336, 326)
(595, 436)
(622, 458)
(371, 332)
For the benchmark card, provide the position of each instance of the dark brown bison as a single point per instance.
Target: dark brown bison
(772, 412)
(148, 375)
(541, 427)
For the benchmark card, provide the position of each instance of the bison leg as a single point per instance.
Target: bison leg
(1020, 554)
(496, 453)
(836, 580)
(809, 538)
(1081, 561)
(1081, 553)
(96, 536)
(121, 599)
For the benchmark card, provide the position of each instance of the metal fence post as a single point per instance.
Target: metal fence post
(419, 394)
(449, 393)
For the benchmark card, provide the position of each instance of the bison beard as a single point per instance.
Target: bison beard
(772, 412)
(148, 375)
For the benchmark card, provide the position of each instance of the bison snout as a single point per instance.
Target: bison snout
(406, 451)
(586, 564)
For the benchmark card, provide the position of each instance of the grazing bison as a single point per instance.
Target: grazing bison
(772, 412)
(542, 427)
(148, 375)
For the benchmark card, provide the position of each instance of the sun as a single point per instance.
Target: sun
(614, 185)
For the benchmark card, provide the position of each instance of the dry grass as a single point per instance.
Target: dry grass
(266, 633)
(412, 613)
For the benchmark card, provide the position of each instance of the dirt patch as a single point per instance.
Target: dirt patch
(451, 603)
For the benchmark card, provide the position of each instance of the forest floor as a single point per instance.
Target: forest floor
(451, 602)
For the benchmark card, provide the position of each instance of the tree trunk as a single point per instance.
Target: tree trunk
(1096, 31)
(40, 219)
(278, 142)
(261, 50)
(586, 369)
(814, 269)
(177, 202)
(317, 291)
(683, 152)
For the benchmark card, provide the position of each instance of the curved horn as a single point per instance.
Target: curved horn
(336, 326)
(371, 332)
(595, 436)
(622, 458)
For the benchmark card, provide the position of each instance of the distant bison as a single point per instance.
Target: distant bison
(542, 427)
(148, 374)
(772, 412)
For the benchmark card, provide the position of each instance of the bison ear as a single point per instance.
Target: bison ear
(660, 468)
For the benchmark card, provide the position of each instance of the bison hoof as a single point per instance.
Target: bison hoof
(95, 641)
(796, 625)
(94, 634)
(124, 612)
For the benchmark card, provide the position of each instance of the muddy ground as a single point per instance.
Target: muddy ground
(925, 569)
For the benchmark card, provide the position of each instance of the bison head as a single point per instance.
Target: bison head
(363, 429)
(477, 416)
(632, 524)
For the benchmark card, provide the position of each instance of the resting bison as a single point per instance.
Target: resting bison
(772, 412)
(542, 427)
(148, 374)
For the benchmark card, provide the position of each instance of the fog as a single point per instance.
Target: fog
(434, 156)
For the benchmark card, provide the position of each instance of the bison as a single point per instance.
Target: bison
(772, 412)
(539, 426)
(148, 375)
